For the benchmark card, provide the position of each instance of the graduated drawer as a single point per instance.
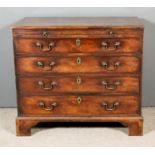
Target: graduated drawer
(76, 64)
(84, 45)
(78, 105)
(77, 84)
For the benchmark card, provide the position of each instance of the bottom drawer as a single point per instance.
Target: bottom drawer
(78, 105)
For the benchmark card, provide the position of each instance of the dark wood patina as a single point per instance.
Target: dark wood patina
(79, 70)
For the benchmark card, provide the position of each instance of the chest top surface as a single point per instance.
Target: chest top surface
(78, 22)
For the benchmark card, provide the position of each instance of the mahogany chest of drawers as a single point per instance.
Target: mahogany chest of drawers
(78, 70)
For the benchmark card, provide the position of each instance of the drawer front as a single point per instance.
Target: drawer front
(77, 84)
(77, 64)
(78, 105)
(84, 45)
(57, 33)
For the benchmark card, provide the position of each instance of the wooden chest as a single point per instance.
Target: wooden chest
(78, 69)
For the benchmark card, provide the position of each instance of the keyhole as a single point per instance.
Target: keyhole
(79, 100)
(78, 42)
(78, 61)
(78, 80)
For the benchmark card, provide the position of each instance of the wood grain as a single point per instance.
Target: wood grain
(91, 61)
(68, 106)
(80, 22)
(89, 64)
(135, 124)
(68, 84)
(87, 45)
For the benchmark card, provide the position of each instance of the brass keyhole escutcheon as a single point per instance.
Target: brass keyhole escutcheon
(79, 100)
(78, 80)
(78, 60)
(78, 42)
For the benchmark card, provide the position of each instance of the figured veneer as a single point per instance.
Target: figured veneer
(86, 64)
(78, 84)
(69, 45)
(79, 70)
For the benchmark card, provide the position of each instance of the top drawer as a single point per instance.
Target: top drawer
(47, 41)
(104, 32)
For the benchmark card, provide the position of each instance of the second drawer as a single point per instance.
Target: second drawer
(78, 64)
(78, 83)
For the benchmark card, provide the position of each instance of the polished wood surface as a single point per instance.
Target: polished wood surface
(69, 45)
(81, 22)
(89, 106)
(106, 32)
(79, 69)
(78, 84)
(89, 64)
(134, 124)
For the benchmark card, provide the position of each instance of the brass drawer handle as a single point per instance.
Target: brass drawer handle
(104, 44)
(109, 107)
(44, 49)
(51, 45)
(111, 68)
(48, 67)
(39, 45)
(117, 44)
(43, 106)
(43, 85)
(111, 86)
